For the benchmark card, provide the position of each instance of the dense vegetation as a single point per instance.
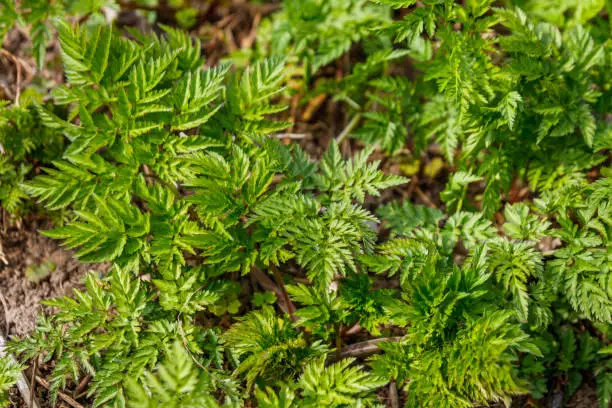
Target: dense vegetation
(180, 175)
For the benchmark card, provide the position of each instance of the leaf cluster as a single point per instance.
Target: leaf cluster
(175, 175)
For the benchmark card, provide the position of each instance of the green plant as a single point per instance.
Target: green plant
(9, 373)
(134, 151)
(562, 13)
(24, 144)
(269, 345)
(176, 382)
(317, 32)
(36, 273)
(555, 288)
(487, 91)
(176, 175)
(337, 385)
(39, 14)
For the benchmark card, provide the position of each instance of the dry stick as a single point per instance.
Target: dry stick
(424, 197)
(182, 332)
(186, 343)
(366, 348)
(348, 129)
(352, 330)
(4, 227)
(5, 306)
(393, 397)
(313, 105)
(22, 383)
(32, 383)
(67, 399)
(82, 385)
(338, 341)
(248, 41)
(414, 181)
(293, 136)
(17, 63)
(268, 285)
(162, 8)
(229, 37)
(283, 290)
(2, 255)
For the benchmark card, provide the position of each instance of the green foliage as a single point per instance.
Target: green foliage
(139, 145)
(174, 174)
(115, 332)
(583, 264)
(514, 264)
(324, 312)
(389, 128)
(176, 382)
(479, 362)
(404, 217)
(269, 347)
(143, 188)
(520, 224)
(38, 16)
(24, 143)
(563, 13)
(483, 93)
(92, 325)
(456, 189)
(9, 373)
(513, 275)
(318, 32)
(338, 385)
(457, 351)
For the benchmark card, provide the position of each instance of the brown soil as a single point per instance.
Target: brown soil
(24, 248)
(585, 397)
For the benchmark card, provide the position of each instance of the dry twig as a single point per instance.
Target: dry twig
(283, 291)
(424, 197)
(5, 306)
(348, 129)
(18, 65)
(293, 136)
(365, 348)
(393, 397)
(67, 399)
(82, 386)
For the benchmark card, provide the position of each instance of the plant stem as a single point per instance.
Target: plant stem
(338, 341)
(349, 128)
(366, 347)
(67, 399)
(279, 281)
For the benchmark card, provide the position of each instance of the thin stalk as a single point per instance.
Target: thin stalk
(281, 285)
(348, 129)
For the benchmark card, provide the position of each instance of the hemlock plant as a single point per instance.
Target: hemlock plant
(177, 176)
(145, 189)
